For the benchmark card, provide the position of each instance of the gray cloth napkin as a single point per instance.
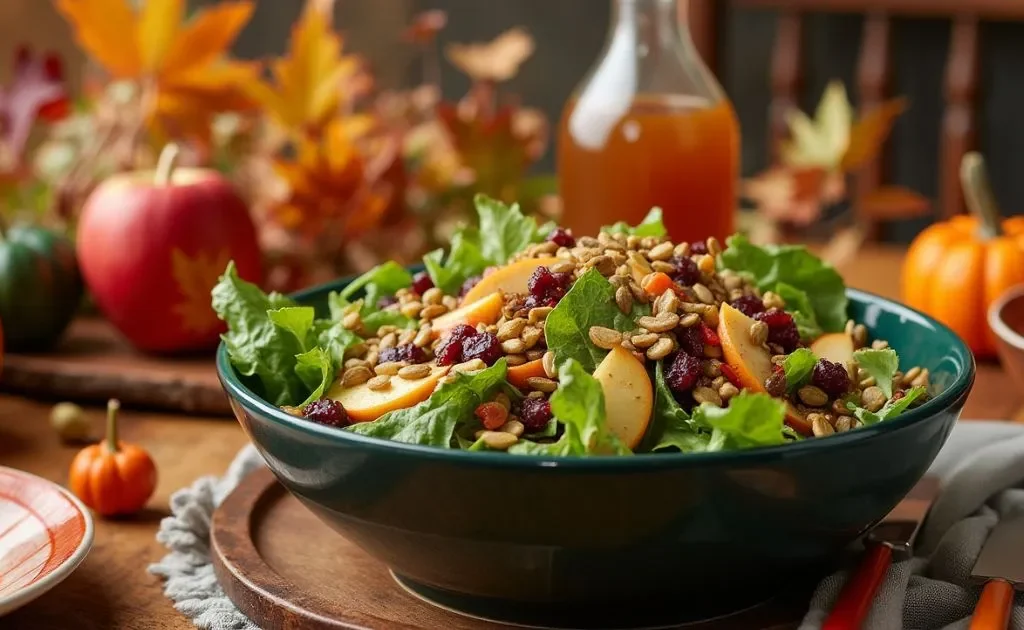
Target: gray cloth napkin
(981, 466)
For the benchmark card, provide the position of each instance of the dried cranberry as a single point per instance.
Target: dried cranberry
(449, 351)
(534, 302)
(683, 373)
(749, 305)
(562, 237)
(781, 328)
(483, 346)
(534, 413)
(831, 377)
(407, 352)
(470, 282)
(686, 271)
(421, 282)
(326, 411)
(730, 374)
(709, 336)
(692, 341)
(548, 287)
(699, 247)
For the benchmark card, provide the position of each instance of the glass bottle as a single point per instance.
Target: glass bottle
(650, 126)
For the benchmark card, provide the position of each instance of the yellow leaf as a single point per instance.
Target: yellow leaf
(205, 38)
(158, 26)
(309, 82)
(196, 277)
(105, 29)
(870, 133)
(182, 68)
(497, 60)
(822, 141)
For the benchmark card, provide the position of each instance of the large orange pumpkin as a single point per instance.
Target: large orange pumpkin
(954, 273)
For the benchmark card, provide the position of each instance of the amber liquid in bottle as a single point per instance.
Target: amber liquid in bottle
(680, 154)
(650, 127)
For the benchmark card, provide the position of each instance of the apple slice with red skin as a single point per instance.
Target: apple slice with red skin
(511, 278)
(628, 395)
(751, 363)
(363, 404)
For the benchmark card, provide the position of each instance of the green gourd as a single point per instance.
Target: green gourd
(40, 287)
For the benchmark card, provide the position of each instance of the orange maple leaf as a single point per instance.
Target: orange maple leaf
(196, 277)
(314, 80)
(332, 184)
(182, 65)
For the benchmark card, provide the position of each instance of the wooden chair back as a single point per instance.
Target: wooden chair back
(873, 72)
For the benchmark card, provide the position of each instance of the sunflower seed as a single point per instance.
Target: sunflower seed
(539, 314)
(812, 396)
(845, 423)
(497, 440)
(703, 294)
(879, 344)
(727, 391)
(511, 329)
(661, 349)
(662, 251)
(473, 365)
(759, 333)
(604, 338)
(819, 425)
(548, 361)
(531, 336)
(390, 368)
(432, 311)
(414, 372)
(563, 266)
(534, 354)
(379, 383)
(513, 346)
(911, 374)
(707, 395)
(356, 376)
(644, 340)
(516, 359)
(433, 295)
(872, 398)
(662, 323)
(706, 264)
(514, 427)
(624, 300)
(411, 309)
(352, 321)
(663, 267)
(771, 299)
(541, 384)
(714, 247)
(424, 336)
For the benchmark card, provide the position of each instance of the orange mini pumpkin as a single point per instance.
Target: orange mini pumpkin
(955, 269)
(113, 478)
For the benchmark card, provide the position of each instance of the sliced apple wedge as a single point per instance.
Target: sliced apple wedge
(628, 395)
(751, 363)
(836, 347)
(364, 404)
(511, 278)
(486, 310)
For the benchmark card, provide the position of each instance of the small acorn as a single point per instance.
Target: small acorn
(70, 423)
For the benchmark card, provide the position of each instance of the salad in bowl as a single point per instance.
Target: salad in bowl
(529, 340)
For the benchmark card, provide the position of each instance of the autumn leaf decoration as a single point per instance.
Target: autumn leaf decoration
(182, 66)
(195, 277)
(820, 153)
(335, 159)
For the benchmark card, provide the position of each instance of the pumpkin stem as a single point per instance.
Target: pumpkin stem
(112, 406)
(978, 194)
(165, 164)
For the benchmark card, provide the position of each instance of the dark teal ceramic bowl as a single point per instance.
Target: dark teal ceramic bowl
(531, 537)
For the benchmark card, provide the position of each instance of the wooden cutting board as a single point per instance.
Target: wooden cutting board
(93, 363)
(285, 569)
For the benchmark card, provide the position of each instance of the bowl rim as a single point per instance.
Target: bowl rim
(957, 390)
(999, 326)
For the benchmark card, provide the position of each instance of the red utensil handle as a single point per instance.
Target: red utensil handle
(994, 606)
(855, 599)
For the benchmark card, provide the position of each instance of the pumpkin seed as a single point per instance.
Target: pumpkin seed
(542, 384)
(624, 300)
(390, 368)
(604, 338)
(872, 398)
(759, 333)
(379, 383)
(812, 396)
(356, 376)
(414, 372)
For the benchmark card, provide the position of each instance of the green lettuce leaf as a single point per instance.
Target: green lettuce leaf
(652, 225)
(674, 427)
(795, 266)
(881, 364)
(799, 305)
(891, 409)
(750, 420)
(590, 302)
(502, 231)
(578, 404)
(384, 279)
(798, 367)
(373, 321)
(257, 347)
(316, 370)
(335, 339)
(433, 422)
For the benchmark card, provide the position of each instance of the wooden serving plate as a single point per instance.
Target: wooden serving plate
(284, 568)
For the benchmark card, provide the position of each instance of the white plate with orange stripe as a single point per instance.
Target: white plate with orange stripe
(45, 533)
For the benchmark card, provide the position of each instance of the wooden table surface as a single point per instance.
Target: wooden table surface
(112, 589)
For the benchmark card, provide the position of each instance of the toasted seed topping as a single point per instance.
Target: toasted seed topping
(414, 372)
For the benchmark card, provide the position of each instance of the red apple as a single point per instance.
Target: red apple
(151, 246)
